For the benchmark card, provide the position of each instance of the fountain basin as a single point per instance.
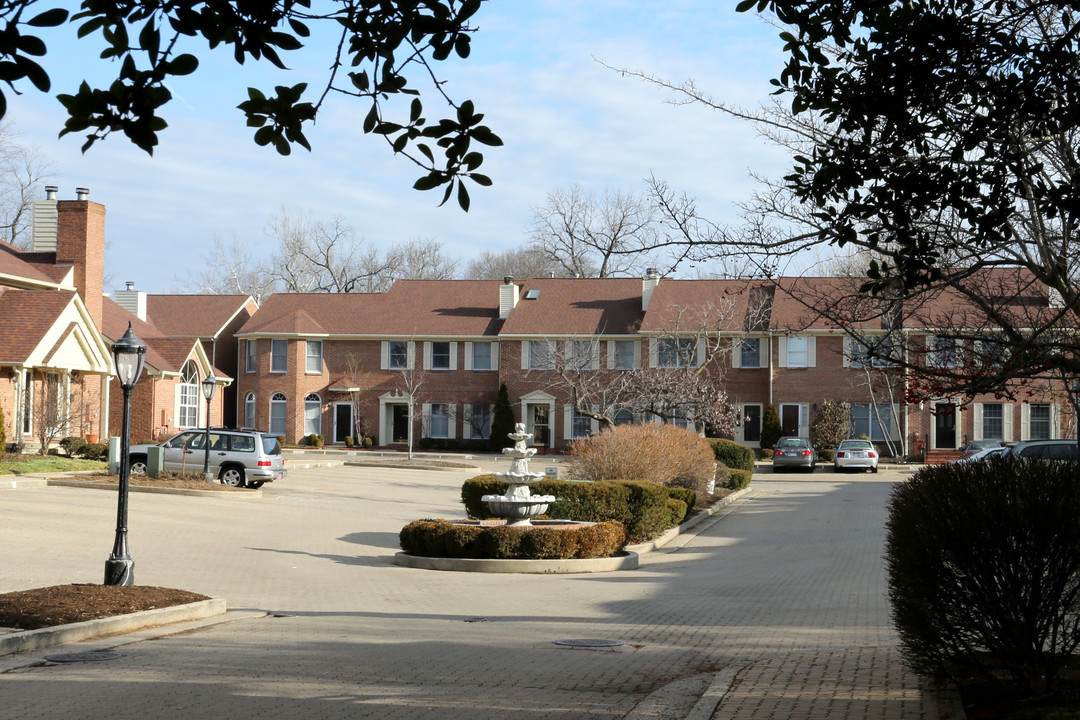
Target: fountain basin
(518, 510)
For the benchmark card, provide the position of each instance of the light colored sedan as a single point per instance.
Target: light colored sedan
(980, 454)
(855, 454)
(794, 452)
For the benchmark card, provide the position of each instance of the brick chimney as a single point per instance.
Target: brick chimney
(80, 239)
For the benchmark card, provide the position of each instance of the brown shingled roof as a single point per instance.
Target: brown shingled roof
(710, 305)
(28, 315)
(13, 262)
(192, 315)
(576, 306)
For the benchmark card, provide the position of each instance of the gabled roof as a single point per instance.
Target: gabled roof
(576, 306)
(50, 328)
(694, 306)
(429, 308)
(163, 354)
(19, 268)
(204, 316)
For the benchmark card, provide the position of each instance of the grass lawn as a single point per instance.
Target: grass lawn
(28, 464)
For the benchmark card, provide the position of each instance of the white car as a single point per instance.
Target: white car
(855, 454)
(981, 454)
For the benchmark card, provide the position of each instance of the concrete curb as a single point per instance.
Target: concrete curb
(246, 495)
(690, 524)
(20, 482)
(391, 466)
(626, 561)
(63, 634)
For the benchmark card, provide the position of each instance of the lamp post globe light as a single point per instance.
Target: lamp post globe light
(129, 355)
(209, 384)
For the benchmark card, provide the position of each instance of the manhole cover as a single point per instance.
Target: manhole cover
(589, 643)
(84, 657)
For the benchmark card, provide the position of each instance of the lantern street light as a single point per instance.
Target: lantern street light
(129, 355)
(209, 384)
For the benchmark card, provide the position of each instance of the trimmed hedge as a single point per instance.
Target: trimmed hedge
(439, 538)
(740, 478)
(733, 454)
(641, 507)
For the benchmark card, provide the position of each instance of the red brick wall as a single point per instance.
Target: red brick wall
(80, 239)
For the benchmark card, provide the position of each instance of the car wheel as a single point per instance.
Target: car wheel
(255, 484)
(137, 465)
(874, 469)
(232, 476)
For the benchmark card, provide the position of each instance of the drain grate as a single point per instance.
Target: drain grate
(589, 643)
(96, 656)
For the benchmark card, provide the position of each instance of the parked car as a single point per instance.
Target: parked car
(1045, 449)
(794, 452)
(240, 458)
(852, 454)
(990, 452)
(975, 446)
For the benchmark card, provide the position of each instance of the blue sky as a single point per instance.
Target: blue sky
(563, 116)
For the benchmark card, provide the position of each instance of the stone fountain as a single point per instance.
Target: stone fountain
(518, 504)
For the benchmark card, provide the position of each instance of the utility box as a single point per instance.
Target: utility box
(114, 455)
(155, 460)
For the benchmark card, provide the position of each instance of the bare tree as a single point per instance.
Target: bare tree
(230, 269)
(596, 237)
(23, 170)
(51, 412)
(424, 259)
(526, 262)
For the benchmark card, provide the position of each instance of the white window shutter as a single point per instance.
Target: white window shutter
(425, 420)
(1055, 421)
(610, 354)
(736, 353)
(384, 356)
(411, 353)
(804, 419)
(699, 352)
(451, 420)
(977, 412)
(782, 345)
(176, 404)
(811, 351)
(766, 349)
(466, 421)
(468, 355)
(453, 356)
(1025, 422)
(427, 355)
(595, 354)
(637, 354)
(494, 356)
(524, 354)
(653, 352)
(568, 422)
(1006, 422)
(847, 351)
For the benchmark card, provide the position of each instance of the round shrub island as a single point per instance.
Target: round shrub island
(494, 539)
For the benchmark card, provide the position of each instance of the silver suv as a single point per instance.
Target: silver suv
(240, 458)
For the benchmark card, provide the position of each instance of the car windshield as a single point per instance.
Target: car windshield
(791, 442)
(856, 444)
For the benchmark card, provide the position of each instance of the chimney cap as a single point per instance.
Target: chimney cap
(82, 193)
(508, 279)
(652, 272)
(130, 285)
(50, 192)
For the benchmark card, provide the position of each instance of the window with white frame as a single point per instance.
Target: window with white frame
(541, 354)
(249, 363)
(1040, 425)
(676, 352)
(312, 414)
(398, 356)
(944, 352)
(875, 421)
(680, 417)
(481, 355)
(624, 355)
(579, 354)
(993, 421)
(188, 415)
(798, 353)
(750, 353)
(439, 420)
(279, 355)
(871, 353)
(480, 421)
(440, 355)
(580, 425)
(314, 356)
(277, 414)
(623, 416)
(249, 410)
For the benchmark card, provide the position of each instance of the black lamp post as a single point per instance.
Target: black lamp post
(1075, 392)
(209, 384)
(129, 355)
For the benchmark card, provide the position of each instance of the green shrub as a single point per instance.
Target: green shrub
(281, 440)
(677, 510)
(368, 442)
(832, 423)
(72, 446)
(95, 451)
(438, 538)
(688, 497)
(771, 430)
(983, 565)
(348, 441)
(502, 421)
(739, 479)
(733, 454)
(642, 508)
(826, 455)
(653, 452)
(316, 440)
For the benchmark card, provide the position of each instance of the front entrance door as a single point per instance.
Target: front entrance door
(945, 426)
(789, 420)
(751, 421)
(540, 425)
(343, 424)
(401, 423)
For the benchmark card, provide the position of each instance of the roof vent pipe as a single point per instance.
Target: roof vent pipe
(130, 285)
(50, 192)
(82, 193)
(508, 279)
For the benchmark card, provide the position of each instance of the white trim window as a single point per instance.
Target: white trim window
(249, 410)
(438, 420)
(624, 354)
(942, 352)
(279, 356)
(397, 355)
(541, 354)
(676, 352)
(314, 359)
(875, 354)
(478, 421)
(580, 355)
(480, 356)
(278, 414)
(992, 421)
(798, 352)
(878, 421)
(750, 353)
(439, 355)
(312, 414)
(188, 410)
(1040, 424)
(250, 356)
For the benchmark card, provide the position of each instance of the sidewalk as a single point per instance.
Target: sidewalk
(783, 593)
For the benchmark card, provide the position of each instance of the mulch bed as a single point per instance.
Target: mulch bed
(65, 604)
(187, 481)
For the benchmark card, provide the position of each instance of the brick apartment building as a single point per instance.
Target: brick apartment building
(339, 365)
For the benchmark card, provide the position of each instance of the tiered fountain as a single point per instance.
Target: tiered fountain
(518, 504)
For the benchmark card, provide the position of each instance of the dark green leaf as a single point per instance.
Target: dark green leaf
(49, 18)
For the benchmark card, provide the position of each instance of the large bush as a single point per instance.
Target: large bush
(642, 508)
(666, 454)
(832, 423)
(771, 430)
(734, 455)
(438, 538)
(502, 421)
(983, 564)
